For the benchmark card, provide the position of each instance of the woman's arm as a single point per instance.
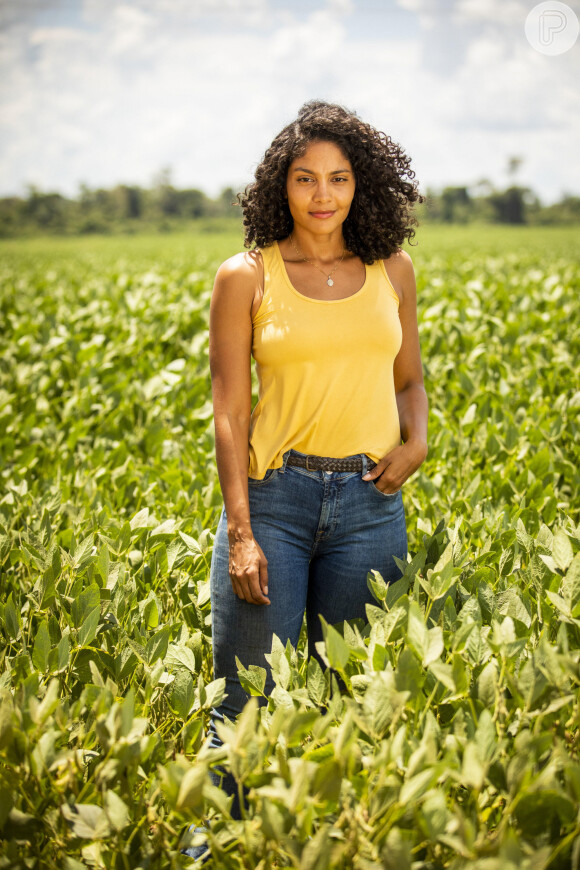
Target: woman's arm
(236, 289)
(394, 468)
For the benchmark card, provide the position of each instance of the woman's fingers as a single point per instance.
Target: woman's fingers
(249, 572)
(263, 575)
(377, 470)
(384, 475)
(392, 471)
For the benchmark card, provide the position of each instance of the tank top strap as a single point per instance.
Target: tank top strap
(274, 271)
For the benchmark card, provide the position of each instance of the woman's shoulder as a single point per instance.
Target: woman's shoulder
(239, 281)
(241, 269)
(243, 264)
(401, 273)
(400, 259)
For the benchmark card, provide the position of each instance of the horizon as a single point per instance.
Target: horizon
(105, 94)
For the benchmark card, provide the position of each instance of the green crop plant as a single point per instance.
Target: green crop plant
(444, 732)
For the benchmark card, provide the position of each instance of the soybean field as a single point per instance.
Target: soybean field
(452, 739)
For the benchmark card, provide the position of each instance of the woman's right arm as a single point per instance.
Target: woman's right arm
(236, 289)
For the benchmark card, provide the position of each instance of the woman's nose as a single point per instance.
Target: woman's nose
(322, 192)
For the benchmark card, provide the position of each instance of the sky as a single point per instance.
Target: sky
(99, 92)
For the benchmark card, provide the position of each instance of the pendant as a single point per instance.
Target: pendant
(330, 282)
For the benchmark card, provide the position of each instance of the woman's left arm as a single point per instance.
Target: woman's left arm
(394, 468)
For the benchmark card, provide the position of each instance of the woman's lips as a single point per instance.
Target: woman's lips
(321, 214)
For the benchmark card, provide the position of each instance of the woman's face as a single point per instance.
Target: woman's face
(320, 188)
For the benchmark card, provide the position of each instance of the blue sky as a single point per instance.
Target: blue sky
(101, 92)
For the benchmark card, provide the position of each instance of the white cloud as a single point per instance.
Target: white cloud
(500, 12)
(203, 87)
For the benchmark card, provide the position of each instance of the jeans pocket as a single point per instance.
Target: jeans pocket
(385, 495)
(271, 473)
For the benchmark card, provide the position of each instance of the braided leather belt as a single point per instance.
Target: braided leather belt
(328, 463)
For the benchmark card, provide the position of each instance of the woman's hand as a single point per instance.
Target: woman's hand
(248, 568)
(392, 471)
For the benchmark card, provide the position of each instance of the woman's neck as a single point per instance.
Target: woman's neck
(323, 248)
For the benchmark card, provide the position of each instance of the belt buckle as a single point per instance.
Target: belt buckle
(307, 466)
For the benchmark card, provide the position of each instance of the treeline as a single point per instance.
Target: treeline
(127, 208)
(124, 208)
(513, 205)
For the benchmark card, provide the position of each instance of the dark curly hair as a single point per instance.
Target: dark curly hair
(380, 216)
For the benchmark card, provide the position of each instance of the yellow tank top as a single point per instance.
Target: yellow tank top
(325, 369)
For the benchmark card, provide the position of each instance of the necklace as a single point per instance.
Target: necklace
(329, 280)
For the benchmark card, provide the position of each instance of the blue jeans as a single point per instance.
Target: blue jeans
(321, 532)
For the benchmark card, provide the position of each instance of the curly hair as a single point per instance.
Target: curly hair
(380, 216)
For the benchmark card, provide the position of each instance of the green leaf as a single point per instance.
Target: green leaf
(512, 603)
(86, 601)
(417, 785)
(539, 464)
(174, 553)
(315, 852)
(472, 770)
(166, 528)
(417, 633)
(486, 737)
(409, 675)
(48, 704)
(117, 811)
(12, 619)
(42, 646)
(400, 587)
(103, 563)
(83, 552)
(336, 649)
(271, 822)
(140, 520)
(469, 415)
(537, 811)
(181, 656)
(435, 646)
(127, 712)
(316, 682)
(381, 702)
(444, 674)
(96, 675)
(562, 549)
(377, 586)
(89, 822)
(151, 611)
(183, 694)
(190, 794)
(559, 603)
(252, 679)
(327, 780)
(435, 814)
(571, 586)
(157, 645)
(123, 541)
(487, 684)
(214, 692)
(88, 630)
(7, 797)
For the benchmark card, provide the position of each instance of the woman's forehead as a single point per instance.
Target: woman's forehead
(321, 151)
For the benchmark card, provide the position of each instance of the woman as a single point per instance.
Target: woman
(326, 305)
